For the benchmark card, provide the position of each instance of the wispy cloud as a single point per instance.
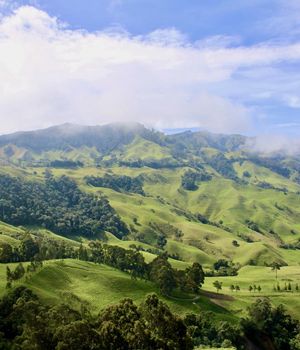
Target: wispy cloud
(285, 21)
(274, 143)
(50, 74)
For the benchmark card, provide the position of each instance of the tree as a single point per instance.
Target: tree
(232, 287)
(237, 288)
(259, 288)
(275, 267)
(235, 243)
(29, 248)
(295, 343)
(111, 337)
(162, 274)
(196, 274)
(19, 272)
(217, 285)
(268, 325)
(289, 286)
(221, 263)
(6, 252)
(167, 331)
(165, 280)
(9, 277)
(82, 253)
(161, 241)
(250, 289)
(78, 335)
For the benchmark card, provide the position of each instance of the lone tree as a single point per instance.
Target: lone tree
(275, 267)
(218, 285)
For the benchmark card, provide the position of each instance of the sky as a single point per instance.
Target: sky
(226, 66)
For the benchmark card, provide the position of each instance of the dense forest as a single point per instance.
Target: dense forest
(117, 183)
(26, 324)
(190, 179)
(58, 205)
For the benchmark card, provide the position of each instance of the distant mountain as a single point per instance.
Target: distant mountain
(60, 137)
(131, 144)
(110, 136)
(207, 194)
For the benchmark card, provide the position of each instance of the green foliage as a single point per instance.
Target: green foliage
(222, 165)
(25, 323)
(162, 274)
(117, 183)
(253, 226)
(218, 285)
(190, 179)
(266, 325)
(57, 205)
(246, 174)
(223, 267)
(6, 252)
(206, 331)
(273, 164)
(67, 164)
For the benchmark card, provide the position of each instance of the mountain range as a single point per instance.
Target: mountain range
(211, 187)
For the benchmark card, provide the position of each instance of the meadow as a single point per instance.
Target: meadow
(98, 286)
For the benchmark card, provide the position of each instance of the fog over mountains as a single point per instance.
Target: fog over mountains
(106, 137)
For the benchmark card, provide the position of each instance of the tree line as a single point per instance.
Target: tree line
(190, 179)
(118, 183)
(159, 271)
(58, 205)
(26, 324)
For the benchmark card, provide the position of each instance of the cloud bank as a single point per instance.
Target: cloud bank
(50, 74)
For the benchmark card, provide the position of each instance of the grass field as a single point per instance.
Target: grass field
(219, 199)
(167, 203)
(265, 277)
(98, 286)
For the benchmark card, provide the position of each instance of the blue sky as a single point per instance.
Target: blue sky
(222, 65)
(197, 19)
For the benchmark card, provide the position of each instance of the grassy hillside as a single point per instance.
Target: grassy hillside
(246, 211)
(220, 200)
(98, 286)
(265, 278)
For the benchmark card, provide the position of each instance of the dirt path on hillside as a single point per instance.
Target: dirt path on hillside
(217, 296)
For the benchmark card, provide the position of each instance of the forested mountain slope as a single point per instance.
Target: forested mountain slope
(199, 196)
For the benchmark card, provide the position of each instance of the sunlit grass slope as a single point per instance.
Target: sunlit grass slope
(220, 200)
(265, 278)
(98, 286)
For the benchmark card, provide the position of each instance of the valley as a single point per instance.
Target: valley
(192, 198)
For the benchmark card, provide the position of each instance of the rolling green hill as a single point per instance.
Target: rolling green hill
(98, 286)
(205, 197)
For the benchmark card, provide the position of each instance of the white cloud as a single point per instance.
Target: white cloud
(292, 101)
(50, 74)
(219, 41)
(275, 143)
(286, 19)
